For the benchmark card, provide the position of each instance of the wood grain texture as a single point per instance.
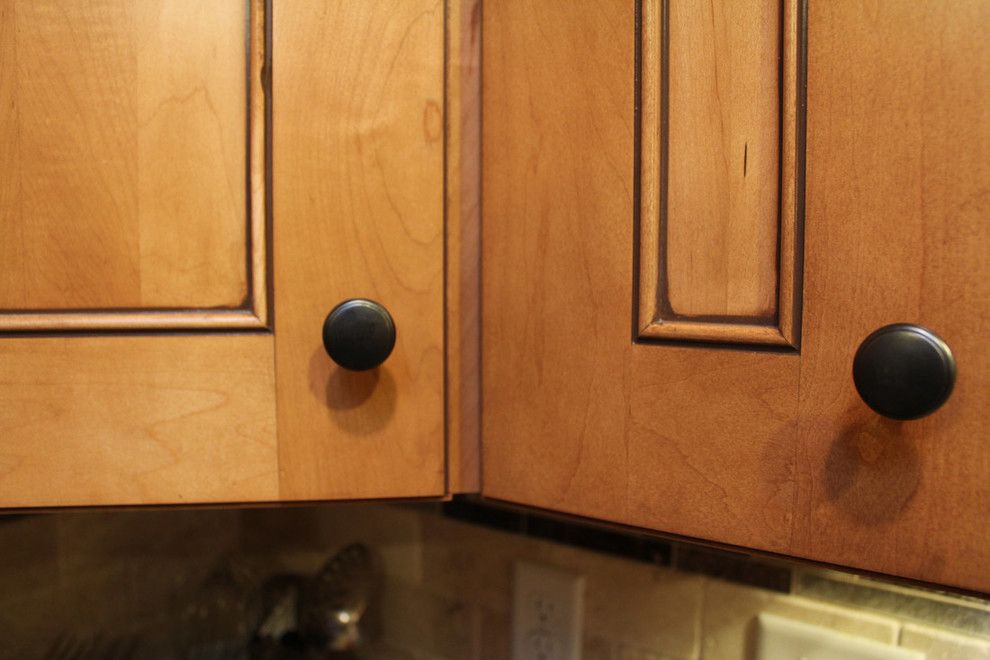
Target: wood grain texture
(578, 417)
(723, 165)
(898, 208)
(137, 420)
(463, 246)
(228, 319)
(359, 202)
(125, 146)
(761, 449)
(720, 95)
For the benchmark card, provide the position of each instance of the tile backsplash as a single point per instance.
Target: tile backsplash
(446, 591)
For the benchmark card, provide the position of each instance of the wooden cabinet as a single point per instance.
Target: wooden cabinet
(694, 213)
(188, 189)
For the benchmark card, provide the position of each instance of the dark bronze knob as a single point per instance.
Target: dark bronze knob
(359, 334)
(904, 371)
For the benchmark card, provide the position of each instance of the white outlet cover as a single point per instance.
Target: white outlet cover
(547, 613)
(785, 639)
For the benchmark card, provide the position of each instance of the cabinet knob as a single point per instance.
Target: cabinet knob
(904, 371)
(359, 334)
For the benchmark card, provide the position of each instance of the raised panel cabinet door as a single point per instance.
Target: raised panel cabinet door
(694, 214)
(132, 203)
(188, 189)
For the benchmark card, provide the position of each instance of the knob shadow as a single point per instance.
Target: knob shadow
(359, 402)
(872, 470)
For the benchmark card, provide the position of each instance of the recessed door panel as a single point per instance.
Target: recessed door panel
(721, 171)
(129, 136)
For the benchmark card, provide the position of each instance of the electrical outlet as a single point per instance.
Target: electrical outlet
(547, 613)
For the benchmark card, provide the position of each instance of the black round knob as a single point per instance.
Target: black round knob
(904, 371)
(359, 334)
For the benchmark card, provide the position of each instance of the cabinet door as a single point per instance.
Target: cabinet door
(694, 213)
(132, 204)
(359, 210)
(172, 229)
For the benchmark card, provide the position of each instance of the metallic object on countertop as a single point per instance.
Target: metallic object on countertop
(334, 601)
(216, 623)
(319, 616)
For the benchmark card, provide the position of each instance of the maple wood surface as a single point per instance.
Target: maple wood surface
(898, 231)
(764, 449)
(137, 420)
(723, 157)
(359, 208)
(124, 147)
(123, 143)
(358, 137)
(720, 111)
(576, 416)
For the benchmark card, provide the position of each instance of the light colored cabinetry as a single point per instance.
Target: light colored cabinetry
(188, 189)
(693, 216)
(683, 251)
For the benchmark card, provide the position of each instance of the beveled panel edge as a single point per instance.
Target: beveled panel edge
(259, 159)
(254, 313)
(131, 320)
(794, 84)
(784, 329)
(729, 332)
